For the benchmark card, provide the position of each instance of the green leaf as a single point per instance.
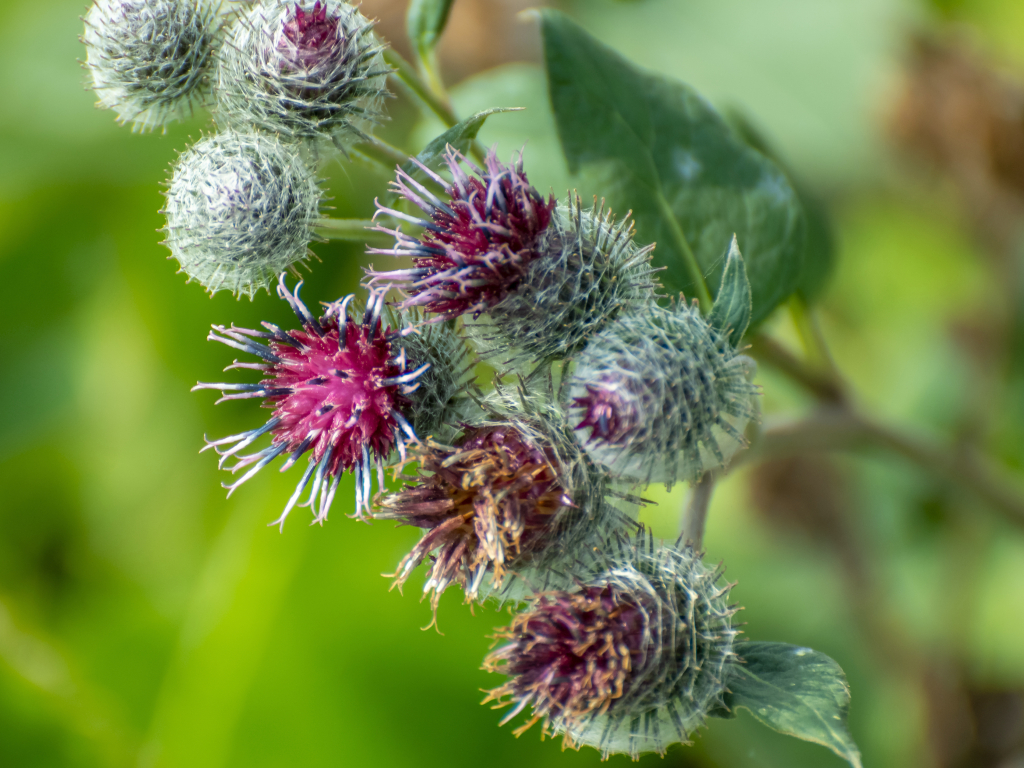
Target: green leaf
(820, 244)
(424, 22)
(731, 312)
(460, 136)
(796, 691)
(662, 151)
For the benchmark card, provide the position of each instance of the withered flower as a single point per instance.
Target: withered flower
(511, 497)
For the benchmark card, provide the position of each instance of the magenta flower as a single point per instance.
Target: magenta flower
(570, 655)
(607, 411)
(309, 38)
(476, 248)
(338, 387)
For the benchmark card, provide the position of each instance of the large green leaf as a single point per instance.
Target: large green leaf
(796, 691)
(820, 244)
(661, 150)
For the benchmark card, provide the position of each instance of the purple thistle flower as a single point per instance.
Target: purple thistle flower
(476, 248)
(631, 660)
(571, 653)
(608, 409)
(339, 388)
(302, 70)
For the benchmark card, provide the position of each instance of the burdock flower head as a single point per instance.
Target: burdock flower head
(477, 247)
(660, 395)
(548, 276)
(341, 388)
(302, 70)
(630, 661)
(149, 59)
(512, 496)
(241, 208)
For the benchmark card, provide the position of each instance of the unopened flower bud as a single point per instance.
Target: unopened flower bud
(241, 208)
(548, 276)
(149, 60)
(661, 396)
(302, 70)
(630, 661)
(341, 389)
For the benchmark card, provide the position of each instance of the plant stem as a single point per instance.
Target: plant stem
(380, 151)
(408, 75)
(824, 386)
(436, 101)
(696, 514)
(351, 230)
(963, 465)
(806, 321)
(840, 428)
(430, 70)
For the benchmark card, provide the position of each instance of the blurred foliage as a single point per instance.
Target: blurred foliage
(146, 620)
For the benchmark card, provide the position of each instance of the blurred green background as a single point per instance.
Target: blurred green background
(145, 620)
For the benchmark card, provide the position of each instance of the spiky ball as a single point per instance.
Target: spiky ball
(441, 392)
(547, 276)
(591, 271)
(340, 390)
(149, 60)
(512, 495)
(630, 661)
(302, 70)
(240, 210)
(661, 396)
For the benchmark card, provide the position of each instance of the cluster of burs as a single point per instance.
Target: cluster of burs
(526, 489)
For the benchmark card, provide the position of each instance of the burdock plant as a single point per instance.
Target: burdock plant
(526, 490)
(513, 495)
(661, 395)
(342, 389)
(240, 208)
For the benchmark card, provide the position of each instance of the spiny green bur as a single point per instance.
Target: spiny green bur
(590, 270)
(240, 210)
(149, 60)
(680, 677)
(679, 390)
